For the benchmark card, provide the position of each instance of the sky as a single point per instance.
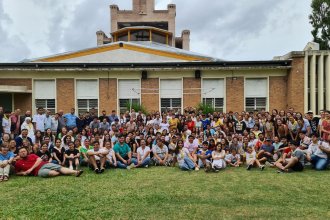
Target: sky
(235, 30)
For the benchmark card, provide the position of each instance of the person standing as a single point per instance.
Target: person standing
(39, 120)
(71, 119)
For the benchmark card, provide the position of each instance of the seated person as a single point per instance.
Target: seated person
(72, 156)
(6, 159)
(123, 154)
(266, 152)
(160, 154)
(184, 158)
(143, 155)
(317, 153)
(97, 158)
(44, 154)
(295, 163)
(233, 159)
(251, 159)
(111, 160)
(83, 152)
(204, 156)
(218, 157)
(31, 164)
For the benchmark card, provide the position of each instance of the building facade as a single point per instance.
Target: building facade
(143, 62)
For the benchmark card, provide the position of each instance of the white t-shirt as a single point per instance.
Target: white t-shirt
(99, 151)
(250, 156)
(191, 146)
(164, 126)
(40, 122)
(143, 152)
(6, 123)
(314, 149)
(181, 155)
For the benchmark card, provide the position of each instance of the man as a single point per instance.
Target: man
(80, 122)
(104, 116)
(6, 122)
(305, 141)
(94, 124)
(239, 126)
(48, 120)
(295, 163)
(313, 121)
(39, 120)
(113, 117)
(1, 117)
(31, 164)
(131, 125)
(266, 152)
(55, 123)
(317, 153)
(23, 136)
(84, 161)
(71, 119)
(61, 121)
(123, 154)
(104, 125)
(97, 158)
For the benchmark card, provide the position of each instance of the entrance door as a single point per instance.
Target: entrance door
(6, 101)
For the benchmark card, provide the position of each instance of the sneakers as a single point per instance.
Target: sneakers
(79, 172)
(262, 167)
(249, 167)
(97, 171)
(1, 178)
(146, 166)
(196, 168)
(130, 166)
(71, 167)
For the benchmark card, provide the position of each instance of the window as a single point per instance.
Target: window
(48, 104)
(44, 94)
(170, 104)
(213, 93)
(128, 93)
(87, 95)
(158, 37)
(126, 104)
(256, 94)
(216, 103)
(171, 95)
(140, 35)
(85, 105)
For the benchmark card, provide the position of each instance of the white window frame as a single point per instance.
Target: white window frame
(180, 91)
(45, 99)
(266, 106)
(97, 97)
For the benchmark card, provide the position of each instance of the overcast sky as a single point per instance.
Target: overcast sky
(225, 29)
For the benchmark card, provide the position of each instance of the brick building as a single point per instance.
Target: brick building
(144, 62)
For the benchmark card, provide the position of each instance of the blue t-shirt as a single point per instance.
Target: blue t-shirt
(70, 120)
(7, 156)
(205, 122)
(207, 153)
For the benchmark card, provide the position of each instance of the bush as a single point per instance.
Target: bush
(205, 108)
(137, 107)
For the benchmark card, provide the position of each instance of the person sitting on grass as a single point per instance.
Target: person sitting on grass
(83, 152)
(233, 159)
(123, 154)
(317, 153)
(184, 158)
(58, 153)
(266, 152)
(160, 154)
(218, 157)
(31, 164)
(143, 155)
(251, 159)
(72, 156)
(97, 158)
(192, 146)
(295, 163)
(111, 160)
(6, 159)
(204, 157)
(44, 153)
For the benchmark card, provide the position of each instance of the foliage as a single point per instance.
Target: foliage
(320, 20)
(136, 106)
(168, 193)
(205, 108)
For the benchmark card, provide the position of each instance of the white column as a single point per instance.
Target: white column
(312, 84)
(320, 83)
(327, 81)
(306, 81)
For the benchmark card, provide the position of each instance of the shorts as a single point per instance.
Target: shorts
(45, 169)
(298, 167)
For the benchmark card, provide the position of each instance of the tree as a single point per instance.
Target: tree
(320, 20)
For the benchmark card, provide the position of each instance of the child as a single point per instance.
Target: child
(72, 155)
(204, 157)
(44, 154)
(233, 159)
(218, 157)
(6, 158)
(251, 159)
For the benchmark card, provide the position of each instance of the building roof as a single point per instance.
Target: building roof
(135, 52)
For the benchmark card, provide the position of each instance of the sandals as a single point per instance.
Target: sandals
(1, 178)
(79, 173)
(4, 178)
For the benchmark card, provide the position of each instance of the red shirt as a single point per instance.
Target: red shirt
(27, 163)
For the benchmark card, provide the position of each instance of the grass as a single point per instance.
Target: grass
(168, 193)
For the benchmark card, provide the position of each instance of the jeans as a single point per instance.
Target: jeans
(319, 163)
(145, 162)
(5, 170)
(187, 164)
(121, 165)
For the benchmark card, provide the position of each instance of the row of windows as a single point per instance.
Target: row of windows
(167, 104)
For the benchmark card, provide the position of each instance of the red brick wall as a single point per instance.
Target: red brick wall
(108, 95)
(277, 92)
(150, 101)
(17, 82)
(65, 94)
(235, 94)
(295, 86)
(191, 96)
(23, 101)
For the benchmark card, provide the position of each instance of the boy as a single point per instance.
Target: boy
(204, 157)
(233, 159)
(72, 155)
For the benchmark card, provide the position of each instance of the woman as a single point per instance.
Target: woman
(6, 159)
(184, 158)
(269, 127)
(143, 155)
(58, 153)
(27, 124)
(37, 138)
(325, 128)
(63, 132)
(218, 157)
(293, 128)
(49, 133)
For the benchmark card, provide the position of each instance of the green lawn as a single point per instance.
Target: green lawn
(168, 193)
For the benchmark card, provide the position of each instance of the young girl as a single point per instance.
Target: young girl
(44, 154)
(58, 153)
(251, 159)
(184, 158)
(72, 155)
(218, 157)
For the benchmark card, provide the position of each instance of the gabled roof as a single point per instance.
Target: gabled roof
(135, 52)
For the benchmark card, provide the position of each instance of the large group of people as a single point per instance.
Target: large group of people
(47, 144)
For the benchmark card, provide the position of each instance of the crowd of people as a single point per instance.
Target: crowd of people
(48, 144)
